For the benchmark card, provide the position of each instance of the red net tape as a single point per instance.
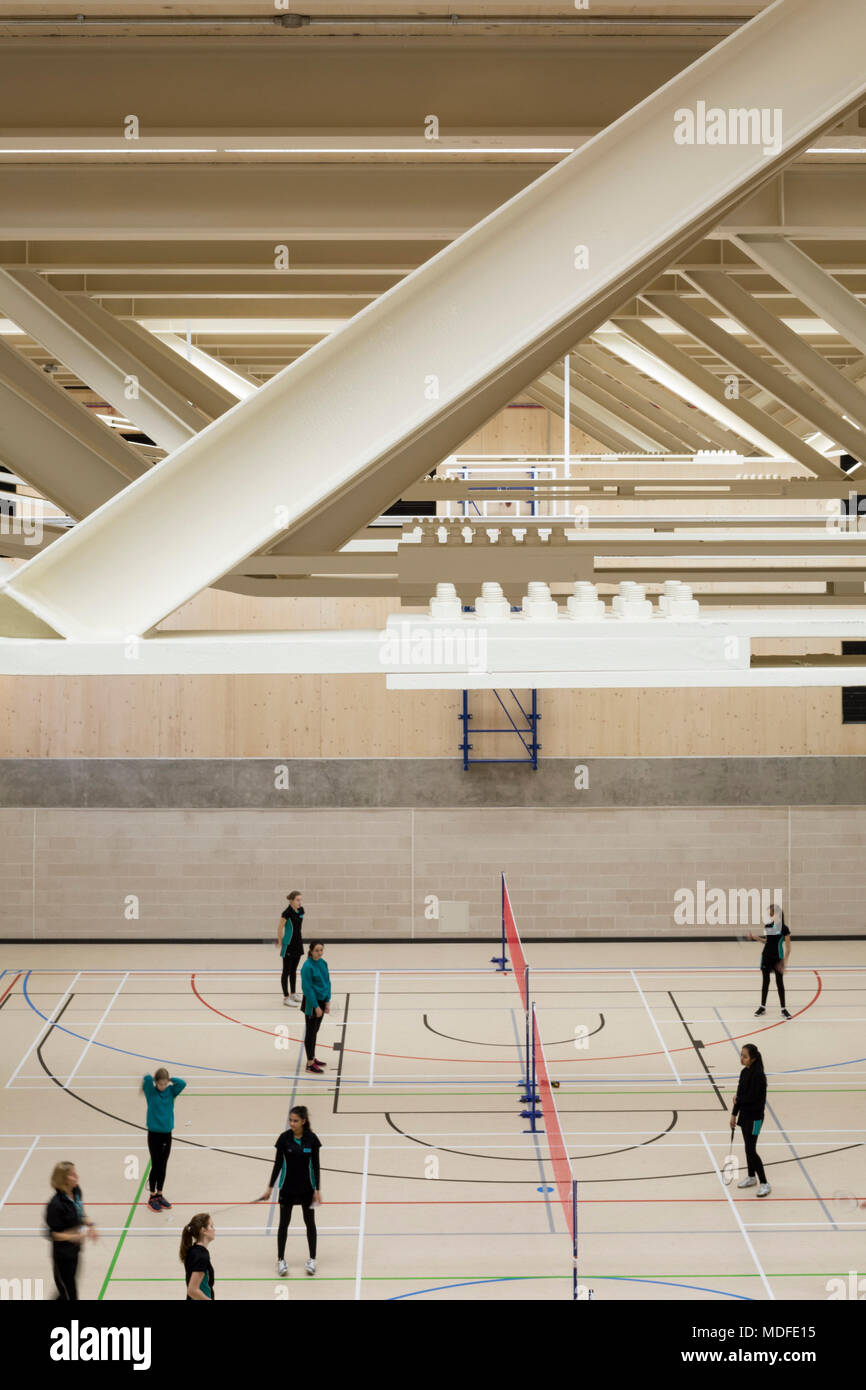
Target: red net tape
(560, 1161)
(515, 946)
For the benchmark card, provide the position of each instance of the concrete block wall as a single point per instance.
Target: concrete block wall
(370, 870)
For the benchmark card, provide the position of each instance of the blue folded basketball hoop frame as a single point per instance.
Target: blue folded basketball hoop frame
(527, 733)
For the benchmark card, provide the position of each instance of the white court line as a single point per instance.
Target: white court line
(655, 1025)
(362, 1221)
(732, 1204)
(97, 1028)
(19, 1171)
(39, 1034)
(373, 1030)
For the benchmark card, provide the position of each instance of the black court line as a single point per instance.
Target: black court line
(342, 1044)
(502, 1158)
(699, 1051)
(474, 1042)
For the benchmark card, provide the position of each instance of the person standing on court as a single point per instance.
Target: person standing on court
(195, 1257)
(748, 1113)
(161, 1091)
(291, 944)
(774, 957)
(296, 1168)
(316, 1001)
(68, 1227)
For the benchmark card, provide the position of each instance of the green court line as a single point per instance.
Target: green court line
(122, 1237)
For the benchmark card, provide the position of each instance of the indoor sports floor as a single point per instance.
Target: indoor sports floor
(431, 1186)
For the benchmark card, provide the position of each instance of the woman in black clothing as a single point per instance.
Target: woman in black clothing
(774, 958)
(296, 1165)
(748, 1113)
(290, 942)
(68, 1228)
(195, 1258)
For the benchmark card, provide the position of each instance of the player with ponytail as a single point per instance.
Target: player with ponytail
(195, 1258)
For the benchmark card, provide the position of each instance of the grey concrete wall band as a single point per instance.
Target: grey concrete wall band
(428, 783)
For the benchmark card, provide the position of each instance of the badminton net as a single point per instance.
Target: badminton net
(563, 1174)
(515, 945)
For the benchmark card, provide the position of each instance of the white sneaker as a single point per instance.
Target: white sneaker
(747, 1182)
(288, 1001)
(295, 998)
(763, 1190)
(282, 1268)
(310, 1266)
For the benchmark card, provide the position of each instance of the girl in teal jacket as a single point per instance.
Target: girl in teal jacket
(316, 1002)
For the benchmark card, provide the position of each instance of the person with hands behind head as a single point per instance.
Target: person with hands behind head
(316, 1001)
(68, 1227)
(774, 958)
(296, 1168)
(195, 1258)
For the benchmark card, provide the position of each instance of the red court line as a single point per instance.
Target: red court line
(480, 1061)
(9, 988)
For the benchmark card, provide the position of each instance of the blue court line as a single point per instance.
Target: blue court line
(618, 1278)
(778, 1125)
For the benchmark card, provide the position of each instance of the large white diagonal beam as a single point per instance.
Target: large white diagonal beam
(762, 373)
(810, 283)
(122, 378)
(334, 438)
(783, 342)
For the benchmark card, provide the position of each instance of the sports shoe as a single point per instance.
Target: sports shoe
(287, 1001)
(763, 1190)
(310, 1266)
(314, 1066)
(153, 1202)
(785, 1013)
(319, 1064)
(295, 998)
(747, 1182)
(760, 1011)
(282, 1268)
(166, 1206)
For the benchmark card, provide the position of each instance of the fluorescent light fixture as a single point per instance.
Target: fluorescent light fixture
(131, 148)
(246, 327)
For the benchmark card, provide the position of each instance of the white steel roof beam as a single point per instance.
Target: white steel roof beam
(810, 283)
(123, 379)
(333, 439)
(783, 387)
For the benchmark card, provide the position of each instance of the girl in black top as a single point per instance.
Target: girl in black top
(195, 1258)
(296, 1166)
(748, 1113)
(290, 942)
(68, 1228)
(774, 958)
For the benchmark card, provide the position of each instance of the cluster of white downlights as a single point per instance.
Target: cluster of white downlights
(584, 604)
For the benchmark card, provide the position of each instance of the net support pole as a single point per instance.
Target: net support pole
(531, 1096)
(574, 1281)
(501, 962)
(526, 1080)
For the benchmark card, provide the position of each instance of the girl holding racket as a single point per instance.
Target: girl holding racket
(748, 1113)
(296, 1166)
(774, 958)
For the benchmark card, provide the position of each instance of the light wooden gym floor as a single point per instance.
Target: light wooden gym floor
(431, 1187)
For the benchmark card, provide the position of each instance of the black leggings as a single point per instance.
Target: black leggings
(159, 1146)
(313, 1026)
(768, 968)
(290, 972)
(305, 1203)
(753, 1162)
(64, 1260)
